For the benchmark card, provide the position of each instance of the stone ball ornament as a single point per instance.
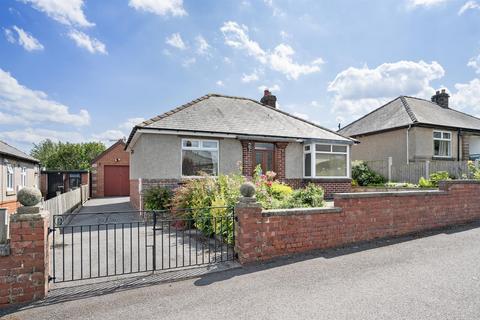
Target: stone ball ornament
(247, 190)
(29, 196)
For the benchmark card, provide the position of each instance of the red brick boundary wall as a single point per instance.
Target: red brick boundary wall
(356, 217)
(331, 186)
(24, 269)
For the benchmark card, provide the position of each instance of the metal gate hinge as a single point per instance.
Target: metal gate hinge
(50, 278)
(50, 230)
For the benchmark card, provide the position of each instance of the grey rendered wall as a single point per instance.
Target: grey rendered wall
(294, 160)
(423, 143)
(158, 156)
(32, 179)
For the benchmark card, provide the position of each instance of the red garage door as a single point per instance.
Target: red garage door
(116, 181)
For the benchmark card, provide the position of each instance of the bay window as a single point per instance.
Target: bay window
(442, 143)
(23, 175)
(199, 156)
(326, 161)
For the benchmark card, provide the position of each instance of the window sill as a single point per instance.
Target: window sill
(10, 193)
(443, 158)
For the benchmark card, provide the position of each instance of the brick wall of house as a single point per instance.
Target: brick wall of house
(279, 155)
(24, 272)
(135, 194)
(10, 205)
(247, 157)
(356, 217)
(465, 147)
(116, 155)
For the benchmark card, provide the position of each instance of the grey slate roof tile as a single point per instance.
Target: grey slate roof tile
(8, 150)
(236, 115)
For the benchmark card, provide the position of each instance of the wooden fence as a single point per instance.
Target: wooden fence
(66, 202)
(411, 172)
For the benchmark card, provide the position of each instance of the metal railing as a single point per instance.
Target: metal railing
(103, 244)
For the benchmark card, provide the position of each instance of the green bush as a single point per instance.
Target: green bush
(157, 198)
(439, 176)
(311, 196)
(425, 183)
(365, 176)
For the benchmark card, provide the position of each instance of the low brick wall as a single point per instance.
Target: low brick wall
(24, 263)
(331, 186)
(356, 217)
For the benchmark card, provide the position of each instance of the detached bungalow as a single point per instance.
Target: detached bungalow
(216, 134)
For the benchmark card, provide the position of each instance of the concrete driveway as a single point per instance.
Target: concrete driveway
(435, 277)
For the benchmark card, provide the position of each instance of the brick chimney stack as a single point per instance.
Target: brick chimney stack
(269, 99)
(441, 98)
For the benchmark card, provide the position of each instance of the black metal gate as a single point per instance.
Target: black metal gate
(104, 244)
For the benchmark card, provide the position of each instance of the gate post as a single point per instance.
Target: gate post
(390, 162)
(248, 212)
(24, 267)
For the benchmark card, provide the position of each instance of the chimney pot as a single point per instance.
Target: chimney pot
(269, 99)
(441, 98)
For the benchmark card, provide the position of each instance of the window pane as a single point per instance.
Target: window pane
(339, 148)
(308, 165)
(259, 159)
(209, 144)
(331, 165)
(446, 135)
(323, 147)
(441, 148)
(437, 134)
(269, 161)
(263, 146)
(307, 148)
(190, 143)
(196, 162)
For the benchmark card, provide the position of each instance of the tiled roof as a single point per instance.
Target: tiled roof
(216, 113)
(404, 111)
(6, 149)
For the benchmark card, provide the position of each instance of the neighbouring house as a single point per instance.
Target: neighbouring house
(218, 134)
(53, 181)
(17, 170)
(110, 172)
(411, 129)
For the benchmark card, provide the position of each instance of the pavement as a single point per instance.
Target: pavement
(431, 276)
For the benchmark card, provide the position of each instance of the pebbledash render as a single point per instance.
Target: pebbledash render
(218, 134)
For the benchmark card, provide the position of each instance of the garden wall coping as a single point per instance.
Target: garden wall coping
(409, 193)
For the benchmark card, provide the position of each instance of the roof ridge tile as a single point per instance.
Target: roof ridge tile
(409, 110)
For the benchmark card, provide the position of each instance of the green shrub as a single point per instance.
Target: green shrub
(157, 198)
(366, 176)
(280, 191)
(425, 183)
(439, 176)
(311, 196)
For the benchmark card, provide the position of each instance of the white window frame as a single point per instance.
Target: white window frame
(199, 148)
(313, 159)
(10, 177)
(23, 176)
(442, 139)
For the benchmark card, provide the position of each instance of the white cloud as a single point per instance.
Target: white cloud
(301, 115)
(109, 135)
(188, 62)
(246, 78)
(31, 135)
(467, 96)
(160, 7)
(10, 119)
(276, 11)
(69, 12)
(284, 34)
(273, 89)
(175, 40)
(35, 106)
(469, 5)
(475, 63)
(25, 39)
(130, 123)
(202, 46)
(424, 3)
(358, 90)
(9, 35)
(220, 83)
(91, 44)
(280, 59)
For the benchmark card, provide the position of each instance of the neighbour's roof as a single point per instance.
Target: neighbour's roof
(404, 111)
(120, 141)
(8, 150)
(215, 113)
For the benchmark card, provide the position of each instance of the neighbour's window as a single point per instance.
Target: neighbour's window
(74, 180)
(23, 176)
(199, 156)
(326, 161)
(442, 144)
(9, 177)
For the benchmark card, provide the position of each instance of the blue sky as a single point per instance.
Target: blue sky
(88, 70)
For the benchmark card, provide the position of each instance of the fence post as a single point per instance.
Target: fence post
(427, 169)
(390, 161)
(3, 225)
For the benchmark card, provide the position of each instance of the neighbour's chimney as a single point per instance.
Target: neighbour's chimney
(441, 98)
(269, 99)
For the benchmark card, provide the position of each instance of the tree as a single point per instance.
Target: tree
(66, 156)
